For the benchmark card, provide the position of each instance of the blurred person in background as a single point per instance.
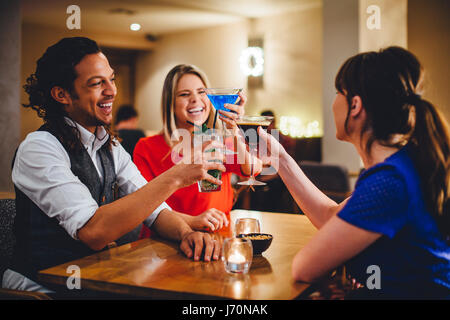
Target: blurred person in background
(126, 125)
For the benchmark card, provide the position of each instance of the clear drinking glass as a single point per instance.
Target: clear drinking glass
(249, 127)
(237, 255)
(246, 226)
(199, 139)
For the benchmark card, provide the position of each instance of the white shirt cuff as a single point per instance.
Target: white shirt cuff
(152, 217)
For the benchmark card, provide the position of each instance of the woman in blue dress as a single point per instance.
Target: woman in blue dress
(393, 232)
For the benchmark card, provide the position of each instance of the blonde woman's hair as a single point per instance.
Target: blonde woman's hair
(168, 100)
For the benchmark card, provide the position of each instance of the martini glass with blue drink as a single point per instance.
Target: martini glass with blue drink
(219, 97)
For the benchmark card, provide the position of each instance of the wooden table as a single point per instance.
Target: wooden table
(158, 269)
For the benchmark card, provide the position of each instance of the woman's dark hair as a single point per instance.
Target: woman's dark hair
(388, 83)
(56, 67)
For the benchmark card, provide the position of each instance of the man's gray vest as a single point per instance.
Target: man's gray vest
(40, 241)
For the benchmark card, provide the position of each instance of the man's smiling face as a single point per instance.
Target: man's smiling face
(94, 91)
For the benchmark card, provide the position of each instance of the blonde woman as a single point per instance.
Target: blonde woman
(184, 102)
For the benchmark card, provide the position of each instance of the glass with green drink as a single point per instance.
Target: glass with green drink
(209, 135)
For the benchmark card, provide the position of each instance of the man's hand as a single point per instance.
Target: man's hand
(195, 167)
(197, 244)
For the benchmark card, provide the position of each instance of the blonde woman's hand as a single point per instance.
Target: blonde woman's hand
(236, 110)
(212, 219)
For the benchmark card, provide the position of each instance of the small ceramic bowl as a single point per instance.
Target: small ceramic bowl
(260, 241)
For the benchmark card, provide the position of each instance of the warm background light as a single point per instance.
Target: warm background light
(135, 27)
(252, 61)
(296, 128)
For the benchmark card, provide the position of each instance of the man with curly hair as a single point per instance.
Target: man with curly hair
(77, 190)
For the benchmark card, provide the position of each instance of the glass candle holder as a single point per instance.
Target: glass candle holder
(237, 255)
(246, 226)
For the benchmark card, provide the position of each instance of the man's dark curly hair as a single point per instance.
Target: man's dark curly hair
(57, 68)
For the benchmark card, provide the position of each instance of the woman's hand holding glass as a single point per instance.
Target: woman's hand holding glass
(229, 118)
(273, 146)
(236, 110)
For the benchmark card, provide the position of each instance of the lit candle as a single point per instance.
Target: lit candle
(236, 257)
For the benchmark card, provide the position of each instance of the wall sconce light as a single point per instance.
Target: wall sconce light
(251, 62)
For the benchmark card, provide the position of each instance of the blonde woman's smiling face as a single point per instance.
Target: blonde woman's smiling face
(191, 101)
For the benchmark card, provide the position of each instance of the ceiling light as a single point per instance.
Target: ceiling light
(135, 26)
